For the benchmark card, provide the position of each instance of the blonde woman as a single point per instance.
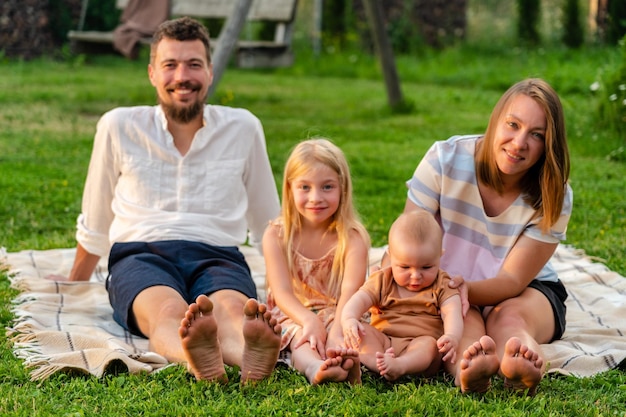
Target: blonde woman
(503, 201)
(316, 255)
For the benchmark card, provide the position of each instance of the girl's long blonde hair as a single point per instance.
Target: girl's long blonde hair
(544, 185)
(344, 221)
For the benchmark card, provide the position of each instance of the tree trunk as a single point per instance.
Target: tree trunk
(374, 13)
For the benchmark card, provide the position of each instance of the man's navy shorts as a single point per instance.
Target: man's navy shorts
(190, 268)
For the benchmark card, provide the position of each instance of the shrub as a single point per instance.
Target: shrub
(617, 20)
(611, 93)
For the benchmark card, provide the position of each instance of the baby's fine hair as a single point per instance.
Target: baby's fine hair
(303, 158)
(418, 225)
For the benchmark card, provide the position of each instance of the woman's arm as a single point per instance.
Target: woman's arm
(519, 268)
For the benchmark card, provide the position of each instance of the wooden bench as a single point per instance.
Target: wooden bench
(249, 53)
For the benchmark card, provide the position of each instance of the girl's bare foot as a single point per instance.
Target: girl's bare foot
(349, 361)
(478, 365)
(261, 333)
(521, 367)
(328, 370)
(388, 365)
(198, 334)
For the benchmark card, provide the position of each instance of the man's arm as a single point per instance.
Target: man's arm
(84, 265)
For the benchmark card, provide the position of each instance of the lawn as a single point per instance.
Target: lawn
(48, 112)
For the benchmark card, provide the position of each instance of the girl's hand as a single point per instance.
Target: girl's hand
(457, 281)
(314, 333)
(447, 346)
(352, 332)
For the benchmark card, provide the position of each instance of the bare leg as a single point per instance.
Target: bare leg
(350, 362)
(478, 365)
(158, 311)
(261, 333)
(518, 326)
(198, 334)
(521, 367)
(421, 357)
(372, 341)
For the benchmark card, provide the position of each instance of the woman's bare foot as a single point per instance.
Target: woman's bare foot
(198, 335)
(521, 367)
(388, 365)
(261, 333)
(478, 365)
(349, 361)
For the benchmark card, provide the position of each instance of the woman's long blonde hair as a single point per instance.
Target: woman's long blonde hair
(544, 185)
(345, 220)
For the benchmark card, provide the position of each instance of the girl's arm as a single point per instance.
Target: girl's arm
(354, 276)
(520, 267)
(279, 280)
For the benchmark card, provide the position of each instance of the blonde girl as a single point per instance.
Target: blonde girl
(316, 258)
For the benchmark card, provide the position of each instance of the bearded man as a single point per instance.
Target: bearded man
(171, 192)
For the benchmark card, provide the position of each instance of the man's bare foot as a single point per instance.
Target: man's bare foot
(262, 336)
(388, 365)
(198, 335)
(521, 367)
(350, 361)
(478, 365)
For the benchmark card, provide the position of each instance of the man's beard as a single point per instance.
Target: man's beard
(183, 114)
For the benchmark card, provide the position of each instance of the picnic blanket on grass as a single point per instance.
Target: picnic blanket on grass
(68, 327)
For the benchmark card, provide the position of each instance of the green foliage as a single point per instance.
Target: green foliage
(617, 20)
(573, 31)
(528, 19)
(65, 16)
(102, 15)
(611, 93)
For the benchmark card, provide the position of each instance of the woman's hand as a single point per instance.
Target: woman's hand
(458, 282)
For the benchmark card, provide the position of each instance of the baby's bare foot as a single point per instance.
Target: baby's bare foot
(478, 365)
(521, 367)
(262, 336)
(198, 334)
(388, 365)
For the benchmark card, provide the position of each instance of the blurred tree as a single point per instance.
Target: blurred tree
(573, 31)
(528, 19)
(617, 20)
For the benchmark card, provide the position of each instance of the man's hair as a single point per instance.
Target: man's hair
(181, 29)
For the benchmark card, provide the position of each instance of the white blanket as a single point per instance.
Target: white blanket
(69, 327)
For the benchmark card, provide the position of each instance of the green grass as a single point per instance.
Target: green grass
(48, 112)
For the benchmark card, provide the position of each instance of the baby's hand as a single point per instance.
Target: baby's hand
(448, 345)
(352, 331)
